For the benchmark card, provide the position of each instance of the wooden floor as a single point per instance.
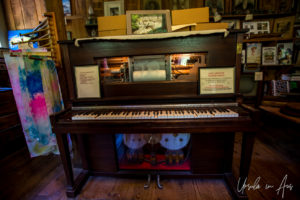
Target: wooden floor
(267, 163)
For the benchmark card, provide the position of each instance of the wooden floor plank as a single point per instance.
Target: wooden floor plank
(267, 163)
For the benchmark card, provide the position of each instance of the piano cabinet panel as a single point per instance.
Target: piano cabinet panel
(221, 51)
(100, 152)
(211, 153)
(150, 89)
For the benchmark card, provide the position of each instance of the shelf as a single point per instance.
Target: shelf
(277, 98)
(73, 17)
(274, 39)
(276, 66)
(256, 16)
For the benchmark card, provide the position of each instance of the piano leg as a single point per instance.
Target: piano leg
(247, 148)
(246, 154)
(73, 186)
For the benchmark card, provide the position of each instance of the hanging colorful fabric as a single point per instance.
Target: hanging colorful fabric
(37, 94)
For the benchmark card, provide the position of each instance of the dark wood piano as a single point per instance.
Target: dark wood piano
(131, 103)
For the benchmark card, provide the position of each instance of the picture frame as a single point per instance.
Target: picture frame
(284, 26)
(87, 81)
(263, 27)
(113, 8)
(238, 6)
(269, 55)
(257, 27)
(215, 6)
(67, 7)
(148, 22)
(151, 5)
(210, 80)
(253, 53)
(252, 26)
(285, 53)
(268, 6)
(284, 6)
(179, 4)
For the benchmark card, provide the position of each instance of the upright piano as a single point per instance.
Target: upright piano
(154, 105)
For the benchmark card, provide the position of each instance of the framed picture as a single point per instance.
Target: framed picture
(284, 26)
(215, 6)
(14, 37)
(252, 26)
(285, 53)
(67, 7)
(284, 6)
(269, 56)
(268, 6)
(243, 6)
(253, 53)
(263, 27)
(151, 5)
(87, 79)
(148, 21)
(219, 80)
(179, 4)
(113, 8)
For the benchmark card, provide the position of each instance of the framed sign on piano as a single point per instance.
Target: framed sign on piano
(87, 79)
(219, 80)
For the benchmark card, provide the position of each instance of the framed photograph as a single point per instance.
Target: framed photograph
(113, 8)
(148, 21)
(215, 6)
(87, 79)
(14, 37)
(252, 26)
(284, 26)
(284, 6)
(219, 80)
(268, 6)
(269, 56)
(253, 53)
(179, 4)
(285, 53)
(243, 6)
(151, 5)
(67, 7)
(263, 27)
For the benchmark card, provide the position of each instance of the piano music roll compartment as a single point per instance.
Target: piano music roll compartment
(151, 67)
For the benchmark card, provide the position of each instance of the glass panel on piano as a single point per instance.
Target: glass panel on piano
(151, 67)
(153, 151)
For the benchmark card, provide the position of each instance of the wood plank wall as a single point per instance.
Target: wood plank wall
(26, 14)
(23, 14)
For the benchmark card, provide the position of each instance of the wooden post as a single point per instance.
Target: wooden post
(57, 7)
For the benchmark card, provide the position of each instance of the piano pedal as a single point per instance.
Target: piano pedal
(147, 185)
(158, 182)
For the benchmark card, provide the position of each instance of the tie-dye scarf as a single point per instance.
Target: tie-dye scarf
(37, 94)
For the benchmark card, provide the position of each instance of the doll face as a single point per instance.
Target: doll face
(175, 141)
(134, 141)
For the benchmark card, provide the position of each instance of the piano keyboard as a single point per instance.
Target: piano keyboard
(194, 113)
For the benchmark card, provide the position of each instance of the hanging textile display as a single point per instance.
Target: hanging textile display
(37, 94)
